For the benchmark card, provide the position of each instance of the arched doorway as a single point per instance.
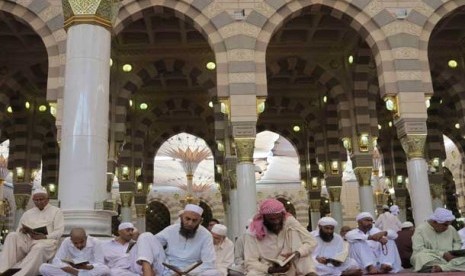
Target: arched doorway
(288, 205)
(157, 217)
(207, 213)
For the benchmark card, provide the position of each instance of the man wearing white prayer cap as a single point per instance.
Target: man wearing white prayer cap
(388, 220)
(185, 243)
(404, 243)
(433, 242)
(27, 248)
(331, 254)
(373, 249)
(224, 248)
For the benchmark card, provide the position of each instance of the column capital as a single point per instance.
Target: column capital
(140, 210)
(126, 198)
(97, 12)
(401, 202)
(436, 190)
(363, 175)
(21, 200)
(315, 205)
(414, 145)
(335, 193)
(244, 149)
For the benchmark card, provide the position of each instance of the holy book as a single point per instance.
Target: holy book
(281, 261)
(35, 228)
(75, 261)
(184, 270)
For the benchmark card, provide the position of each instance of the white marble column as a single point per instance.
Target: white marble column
(233, 217)
(367, 203)
(140, 221)
(21, 201)
(126, 209)
(315, 213)
(84, 140)
(336, 206)
(246, 194)
(419, 189)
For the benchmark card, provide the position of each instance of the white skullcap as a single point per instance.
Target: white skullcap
(406, 224)
(194, 208)
(363, 215)
(325, 221)
(125, 225)
(39, 190)
(394, 210)
(220, 229)
(442, 215)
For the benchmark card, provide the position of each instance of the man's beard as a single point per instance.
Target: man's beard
(187, 233)
(326, 237)
(274, 228)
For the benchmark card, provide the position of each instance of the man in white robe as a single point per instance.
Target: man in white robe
(78, 246)
(387, 220)
(274, 234)
(462, 236)
(224, 248)
(331, 256)
(186, 243)
(374, 250)
(26, 249)
(432, 243)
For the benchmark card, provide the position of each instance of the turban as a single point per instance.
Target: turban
(39, 190)
(220, 229)
(363, 215)
(394, 210)
(406, 224)
(267, 207)
(194, 208)
(442, 215)
(125, 225)
(325, 221)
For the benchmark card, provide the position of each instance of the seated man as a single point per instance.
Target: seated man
(432, 243)
(332, 253)
(274, 234)
(224, 248)
(27, 249)
(404, 243)
(186, 243)
(78, 246)
(212, 223)
(374, 250)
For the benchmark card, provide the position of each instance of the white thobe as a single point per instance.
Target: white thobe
(224, 256)
(181, 252)
(293, 237)
(91, 252)
(336, 249)
(367, 252)
(387, 221)
(462, 236)
(118, 261)
(20, 250)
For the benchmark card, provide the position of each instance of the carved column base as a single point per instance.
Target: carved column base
(96, 223)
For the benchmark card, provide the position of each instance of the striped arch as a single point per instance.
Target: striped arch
(144, 75)
(369, 28)
(47, 21)
(214, 201)
(170, 201)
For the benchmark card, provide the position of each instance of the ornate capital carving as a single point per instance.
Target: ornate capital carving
(140, 210)
(363, 175)
(436, 190)
(21, 200)
(335, 193)
(126, 198)
(315, 205)
(401, 202)
(244, 149)
(414, 145)
(97, 12)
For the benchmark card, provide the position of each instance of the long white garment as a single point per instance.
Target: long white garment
(68, 251)
(182, 252)
(337, 249)
(224, 256)
(461, 233)
(20, 250)
(387, 221)
(118, 261)
(367, 252)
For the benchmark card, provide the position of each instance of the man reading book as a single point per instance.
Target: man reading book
(78, 253)
(274, 233)
(433, 242)
(29, 249)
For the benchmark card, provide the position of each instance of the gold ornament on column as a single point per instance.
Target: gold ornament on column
(97, 12)
(21, 200)
(244, 149)
(126, 198)
(315, 205)
(335, 193)
(436, 190)
(414, 145)
(363, 175)
(140, 210)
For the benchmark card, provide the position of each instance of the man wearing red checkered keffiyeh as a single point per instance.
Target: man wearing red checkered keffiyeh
(275, 234)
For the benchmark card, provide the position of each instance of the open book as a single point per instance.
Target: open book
(281, 261)
(458, 252)
(10, 272)
(35, 229)
(183, 271)
(75, 261)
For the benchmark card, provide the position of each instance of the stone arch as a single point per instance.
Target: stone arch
(300, 204)
(171, 201)
(354, 14)
(157, 216)
(214, 201)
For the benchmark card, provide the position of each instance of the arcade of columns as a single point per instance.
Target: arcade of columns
(99, 136)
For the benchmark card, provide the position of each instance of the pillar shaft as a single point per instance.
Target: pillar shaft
(315, 213)
(335, 205)
(363, 175)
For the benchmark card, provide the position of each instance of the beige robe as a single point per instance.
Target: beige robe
(293, 237)
(224, 256)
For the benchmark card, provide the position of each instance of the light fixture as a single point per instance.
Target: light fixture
(138, 172)
(51, 187)
(27, 105)
(42, 108)
(210, 104)
(53, 109)
(379, 127)
(139, 186)
(457, 126)
(127, 68)
(325, 99)
(211, 65)
(111, 62)
(452, 63)
(428, 102)
(219, 169)
(125, 172)
(314, 182)
(130, 102)
(334, 167)
(260, 105)
(347, 143)
(390, 124)
(391, 103)
(20, 173)
(321, 167)
(143, 106)
(303, 183)
(399, 179)
(296, 128)
(9, 109)
(350, 59)
(220, 145)
(363, 142)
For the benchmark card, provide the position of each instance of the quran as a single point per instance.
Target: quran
(458, 253)
(281, 261)
(75, 262)
(183, 271)
(10, 272)
(35, 229)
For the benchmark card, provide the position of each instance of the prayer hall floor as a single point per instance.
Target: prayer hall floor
(410, 273)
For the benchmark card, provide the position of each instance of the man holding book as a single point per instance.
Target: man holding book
(277, 243)
(78, 254)
(436, 245)
(28, 248)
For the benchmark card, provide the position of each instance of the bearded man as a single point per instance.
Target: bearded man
(185, 244)
(274, 233)
(374, 250)
(331, 254)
